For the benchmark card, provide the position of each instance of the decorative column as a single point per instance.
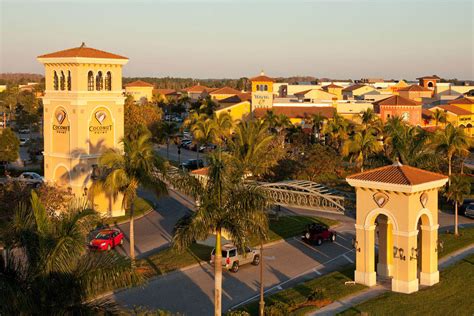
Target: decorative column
(385, 264)
(405, 268)
(365, 255)
(429, 274)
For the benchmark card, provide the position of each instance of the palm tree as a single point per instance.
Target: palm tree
(337, 129)
(457, 190)
(223, 124)
(204, 132)
(439, 116)
(126, 171)
(363, 144)
(368, 117)
(47, 269)
(317, 120)
(225, 204)
(450, 141)
(167, 131)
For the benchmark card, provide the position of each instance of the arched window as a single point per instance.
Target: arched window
(69, 80)
(265, 88)
(62, 81)
(90, 81)
(108, 81)
(99, 83)
(56, 81)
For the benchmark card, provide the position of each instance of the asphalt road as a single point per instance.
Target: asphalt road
(173, 153)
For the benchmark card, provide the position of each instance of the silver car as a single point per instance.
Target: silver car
(31, 178)
(232, 259)
(469, 212)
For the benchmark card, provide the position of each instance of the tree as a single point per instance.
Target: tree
(126, 171)
(439, 117)
(9, 146)
(225, 204)
(166, 132)
(368, 117)
(338, 131)
(204, 132)
(451, 141)
(55, 274)
(320, 163)
(136, 115)
(362, 145)
(223, 124)
(457, 190)
(317, 120)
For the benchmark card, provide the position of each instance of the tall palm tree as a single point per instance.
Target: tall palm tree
(225, 205)
(457, 190)
(451, 141)
(47, 269)
(363, 144)
(338, 131)
(223, 124)
(439, 116)
(317, 120)
(167, 132)
(204, 132)
(368, 117)
(126, 171)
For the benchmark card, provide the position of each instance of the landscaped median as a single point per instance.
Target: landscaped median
(142, 207)
(319, 292)
(169, 260)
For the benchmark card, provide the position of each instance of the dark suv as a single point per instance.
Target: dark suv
(317, 233)
(192, 164)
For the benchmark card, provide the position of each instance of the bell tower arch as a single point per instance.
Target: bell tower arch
(397, 205)
(83, 116)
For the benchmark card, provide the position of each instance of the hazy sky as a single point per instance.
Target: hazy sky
(216, 39)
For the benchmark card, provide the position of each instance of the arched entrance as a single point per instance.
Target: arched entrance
(396, 210)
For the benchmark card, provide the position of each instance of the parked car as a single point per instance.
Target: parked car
(317, 233)
(469, 211)
(23, 141)
(106, 239)
(232, 259)
(464, 205)
(192, 164)
(24, 131)
(31, 178)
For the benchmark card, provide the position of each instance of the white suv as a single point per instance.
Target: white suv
(232, 259)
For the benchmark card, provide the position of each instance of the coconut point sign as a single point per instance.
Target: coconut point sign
(101, 130)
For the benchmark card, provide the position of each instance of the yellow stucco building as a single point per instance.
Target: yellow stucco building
(262, 92)
(83, 116)
(140, 90)
(397, 207)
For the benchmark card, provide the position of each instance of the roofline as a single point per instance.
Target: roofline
(405, 188)
(82, 60)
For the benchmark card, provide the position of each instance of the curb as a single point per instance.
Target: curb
(135, 218)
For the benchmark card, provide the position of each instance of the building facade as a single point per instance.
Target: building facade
(83, 116)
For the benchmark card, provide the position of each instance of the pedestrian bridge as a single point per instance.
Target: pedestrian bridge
(304, 194)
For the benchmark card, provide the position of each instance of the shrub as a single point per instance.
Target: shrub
(237, 313)
(277, 309)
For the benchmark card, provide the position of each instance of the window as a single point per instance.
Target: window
(55, 80)
(90, 81)
(232, 253)
(257, 87)
(62, 82)
(108, 81)
(99, 83)
(69, 80)
(265, 88)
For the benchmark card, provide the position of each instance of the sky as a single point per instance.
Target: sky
(231, 39)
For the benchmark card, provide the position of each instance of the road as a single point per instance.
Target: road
(173, 153)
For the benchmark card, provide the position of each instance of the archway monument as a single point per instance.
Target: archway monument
(404, 199)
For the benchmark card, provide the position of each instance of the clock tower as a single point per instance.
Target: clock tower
(262, 92)
(83, 116)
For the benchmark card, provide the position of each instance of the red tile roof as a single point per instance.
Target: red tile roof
(139, 83)
(225, 90)
(462, 100)
(262, 78)
(303, 92)
(197, 88)
(332, 85)
(430, 77)
(414, 88)
(202, 172)
(82, 51)
(397, 100)
(454, 109)
(237, 98)
(398, 174)
(164, 91)
(354, 87)
(297, 111)
(426, 114)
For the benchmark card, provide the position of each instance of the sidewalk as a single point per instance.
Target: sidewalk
(347, 302)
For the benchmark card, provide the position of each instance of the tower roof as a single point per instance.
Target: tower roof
(82, 51)
(398, 174)
(397, 100)
(262, 77)
(139, 83)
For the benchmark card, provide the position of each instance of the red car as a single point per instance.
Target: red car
(106, 239)
(316, 233)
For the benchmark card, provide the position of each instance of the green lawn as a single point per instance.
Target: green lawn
(168, 260)
(331, 286)
(452, 296)
(141, 207)
(452, 243)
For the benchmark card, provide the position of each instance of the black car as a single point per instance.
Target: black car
(192, 164)
(464, 205)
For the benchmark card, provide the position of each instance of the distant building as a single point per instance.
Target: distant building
(334, 89)
(408, 110)
(415, 92)
(223, 93)
(196, 92)
(140, 90)
(356, 91)
(262, 91)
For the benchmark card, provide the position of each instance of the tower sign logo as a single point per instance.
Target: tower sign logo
(60, 116)
(100, 116)
(61, 128)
